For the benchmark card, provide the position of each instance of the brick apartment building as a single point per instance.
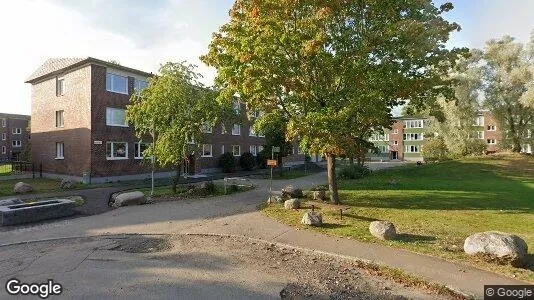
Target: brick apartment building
(407, 136)
(79, 127)
(14, 136)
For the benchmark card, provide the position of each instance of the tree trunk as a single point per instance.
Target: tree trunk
(176, 179)
(332, 181)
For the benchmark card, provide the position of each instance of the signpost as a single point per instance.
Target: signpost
(272, 163)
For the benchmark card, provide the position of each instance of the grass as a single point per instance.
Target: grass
(40, 185)
(436, 206)
(5, 169)
(182, 191)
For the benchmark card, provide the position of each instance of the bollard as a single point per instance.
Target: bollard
(341, 214)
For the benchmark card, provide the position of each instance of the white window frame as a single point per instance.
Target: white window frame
(109, 117)
(238, 131)
(16, 130)
(260, 148)
(491, 141)
(60, 122)
(223, 129)
(409, 149)
(395, 131)
(4, 150)
(207, 128)
(210, 147)
(60, 86)
(253, 150)
(480, 135)
(238, 148)
(395, 142)
(261, 134)
(110, 87)
(251, 131)
(236, 105)
(492, 128)
(60, 150)
(3, 122)
(137, 83)
(4, 136)
(16, 143)
(138, 154)
(190, 141)
(413, 137)
(222, 149)
(112, 157)
(479, 121)
(413, 124)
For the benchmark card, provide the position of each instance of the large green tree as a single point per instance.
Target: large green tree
(331, 66)
(172, 111)
(509, 75)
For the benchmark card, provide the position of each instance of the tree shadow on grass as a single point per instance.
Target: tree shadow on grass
(334, 226)
(410, 238)
(362, 218)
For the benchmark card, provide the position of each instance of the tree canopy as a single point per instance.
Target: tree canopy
(333, 66)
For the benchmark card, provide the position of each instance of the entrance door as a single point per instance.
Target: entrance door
(189, 165)
(394, 155)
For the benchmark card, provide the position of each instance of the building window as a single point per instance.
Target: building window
(480, 135)
(491, 128)
(251, 131)
(395, 142)
(3, 122)
(237, 105)
(395, 131)
(411, 149)
(236, 150)
(59, 118)
(116, 117)
(413, 136)
(17, 130)
(139, 148)
(479, 121)
(60, 147)
(413, 124)
(4, 136)
(256, 114)
(60, 86)
(140, 85)
(207, 128)
(207, 150)
(492, 141)
(16, 144)
(261, 134)
(4, 150)
(223, 129)
(254, 150)
(260, 149)
(379, 137)
(190, 140)
(116, 83)
(222, 149)
(116, 150)
(236, 129)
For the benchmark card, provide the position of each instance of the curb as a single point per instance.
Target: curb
(241, 237)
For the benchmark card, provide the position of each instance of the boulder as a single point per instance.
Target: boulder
(292, 204)
(66, 184)
(497, 244)
(11, 201)
(312, 218)
(292, 192)
(22, 188)
(319, 195)
(129, 198)
(383, 230)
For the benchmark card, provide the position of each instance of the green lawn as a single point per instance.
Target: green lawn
(40, 185)
(436, 206)
(5, 169)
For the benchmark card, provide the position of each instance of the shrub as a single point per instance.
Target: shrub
(247, 161)
(435, 149)
(227, 162)
(353, 172)
(210, 187)
(261, 159)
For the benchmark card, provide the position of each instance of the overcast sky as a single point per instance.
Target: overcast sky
(144, 33)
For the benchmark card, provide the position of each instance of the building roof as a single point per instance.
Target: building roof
(55, 66)
(14, 116)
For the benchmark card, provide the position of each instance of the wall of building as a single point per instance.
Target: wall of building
(75, 134)
(13, 122)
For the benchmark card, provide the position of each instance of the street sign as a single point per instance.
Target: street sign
(276, 149)
(272, 162)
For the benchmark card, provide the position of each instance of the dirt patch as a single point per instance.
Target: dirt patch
(143, 244)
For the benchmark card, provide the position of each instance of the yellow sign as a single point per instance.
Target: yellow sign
(272, 162)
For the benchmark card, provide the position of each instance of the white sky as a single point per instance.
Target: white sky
(142, 34)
